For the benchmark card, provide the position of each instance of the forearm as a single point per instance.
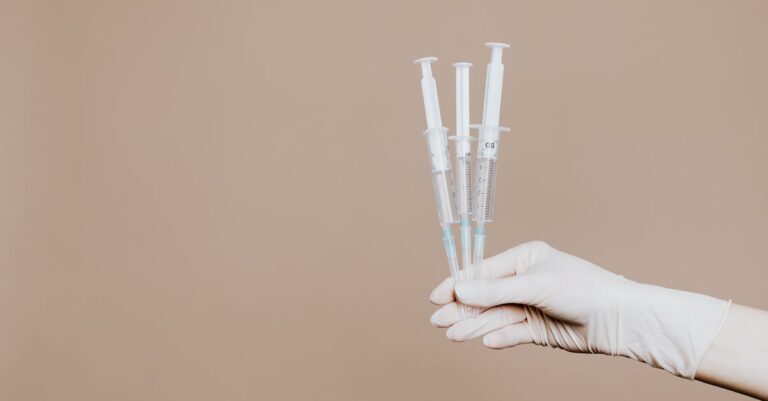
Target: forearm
(738, 358)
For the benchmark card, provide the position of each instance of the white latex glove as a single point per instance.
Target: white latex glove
(535, 293)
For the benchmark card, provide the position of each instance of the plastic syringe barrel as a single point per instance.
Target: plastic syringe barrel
(485, 172)
(488, 137)
(442, 178)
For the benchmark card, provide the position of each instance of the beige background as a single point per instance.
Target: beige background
(230, 200)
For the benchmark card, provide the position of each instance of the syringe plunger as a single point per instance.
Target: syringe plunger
(493, 85)
(463, 140)
(429, 93)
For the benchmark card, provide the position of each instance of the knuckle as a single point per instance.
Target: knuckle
(539, 245)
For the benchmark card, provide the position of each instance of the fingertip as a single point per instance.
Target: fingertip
(509, 336)
(445, 316)
(462, 290)
(491, 341)
(443, 293)
(470, 293)
(462, 330)
(434, 319)
(452, 335)
(433, 297)
(438, 297)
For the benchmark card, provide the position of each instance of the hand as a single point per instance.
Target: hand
(534, 293)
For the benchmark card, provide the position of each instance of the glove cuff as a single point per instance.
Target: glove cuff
(664, 328)
(712, 340)
(669, 329)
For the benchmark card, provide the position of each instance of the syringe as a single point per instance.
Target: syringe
(488, 150)
(442, 179)
(463, 153)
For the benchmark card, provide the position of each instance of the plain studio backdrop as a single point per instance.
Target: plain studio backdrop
(231, 200)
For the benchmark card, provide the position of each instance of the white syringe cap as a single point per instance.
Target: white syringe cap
(462, 64)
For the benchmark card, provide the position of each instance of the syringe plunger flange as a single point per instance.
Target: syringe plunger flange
(488, 139)
(496, 48)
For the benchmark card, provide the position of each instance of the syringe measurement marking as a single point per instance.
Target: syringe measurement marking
(488, 196)
(468, 173)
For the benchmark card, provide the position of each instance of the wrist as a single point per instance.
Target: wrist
(669, 329)
(738, 354)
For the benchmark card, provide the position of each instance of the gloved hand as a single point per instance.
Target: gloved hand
(535, 293)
